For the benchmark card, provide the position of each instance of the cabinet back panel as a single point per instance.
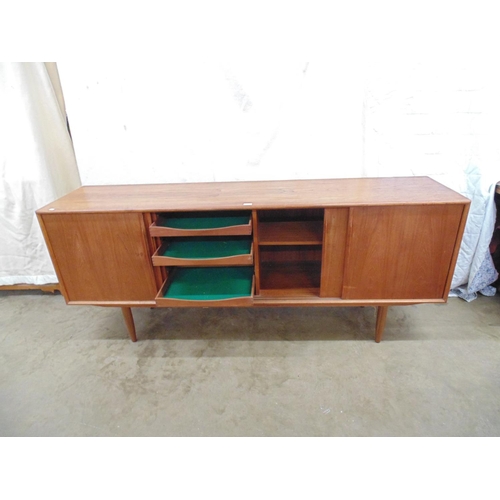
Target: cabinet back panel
(304, 214)
(292, 253)
(101, 257)
(400, 252)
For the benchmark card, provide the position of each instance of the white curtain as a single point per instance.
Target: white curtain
(37, 165)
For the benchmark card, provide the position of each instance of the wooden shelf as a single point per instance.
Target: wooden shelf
(290, 278)
(225, 251)
(288, 293)
(202, 224)
(207, 287)
(291, 233)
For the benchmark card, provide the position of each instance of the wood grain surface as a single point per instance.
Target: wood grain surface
(255, 195)
(102, 257)
(334, 247)
(400, 252)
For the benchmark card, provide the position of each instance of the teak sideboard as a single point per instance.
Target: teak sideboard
(334, 242)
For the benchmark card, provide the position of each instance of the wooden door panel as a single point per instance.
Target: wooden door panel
(101, 257)
(400, 252)
(334, 245)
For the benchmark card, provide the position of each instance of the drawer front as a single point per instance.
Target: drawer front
(208, 287)
(206, 251)
(202, 224)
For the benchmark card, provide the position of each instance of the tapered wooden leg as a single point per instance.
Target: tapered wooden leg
(129, 320)
(381, 317)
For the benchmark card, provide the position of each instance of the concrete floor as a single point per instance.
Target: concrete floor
(71, 371)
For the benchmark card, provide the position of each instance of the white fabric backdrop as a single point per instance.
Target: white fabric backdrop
(193, 120)
(37, 165)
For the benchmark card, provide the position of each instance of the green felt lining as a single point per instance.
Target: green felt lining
(203, 220)
(210, 283)
(207, 248)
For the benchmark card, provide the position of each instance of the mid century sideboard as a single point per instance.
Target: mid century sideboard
(334, 242)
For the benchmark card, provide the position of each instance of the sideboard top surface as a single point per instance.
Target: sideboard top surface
(255, 195)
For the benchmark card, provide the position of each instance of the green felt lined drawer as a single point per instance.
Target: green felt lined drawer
(202, 223)
(213, 251)
(207, 286)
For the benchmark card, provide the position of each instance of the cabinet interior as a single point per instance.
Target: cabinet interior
(290, 251)
(288, 243)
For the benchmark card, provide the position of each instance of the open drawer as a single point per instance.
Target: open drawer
(202, 224)
(207, 287)
(205, 251)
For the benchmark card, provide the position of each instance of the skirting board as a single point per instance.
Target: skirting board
(51, 287)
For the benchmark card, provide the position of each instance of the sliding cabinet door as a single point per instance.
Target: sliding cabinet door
(401, 252)
(334, 250)
(101, 258)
